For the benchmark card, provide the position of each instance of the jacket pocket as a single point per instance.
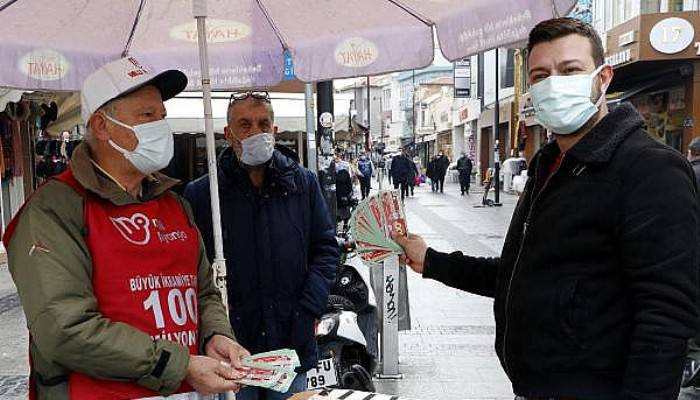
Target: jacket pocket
(572, 313)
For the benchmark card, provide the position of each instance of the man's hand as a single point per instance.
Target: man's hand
(415, 248)
(224, 349)
(209, 376)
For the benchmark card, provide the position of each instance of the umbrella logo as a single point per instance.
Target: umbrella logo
(135, 229)
(44, 65)
(356, 52)
(218, 31)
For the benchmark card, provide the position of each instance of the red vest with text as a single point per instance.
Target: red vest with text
(144, 273)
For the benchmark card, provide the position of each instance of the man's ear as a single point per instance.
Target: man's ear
(228, 135)
(98, 127)
(606, 76)
(275, 129)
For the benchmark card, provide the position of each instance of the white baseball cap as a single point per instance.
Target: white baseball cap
(124, 76)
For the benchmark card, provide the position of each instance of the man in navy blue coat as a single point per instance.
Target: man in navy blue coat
(279, 240)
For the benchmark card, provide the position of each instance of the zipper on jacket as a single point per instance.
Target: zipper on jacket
(526, 225)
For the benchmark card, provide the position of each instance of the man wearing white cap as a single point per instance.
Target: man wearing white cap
(109, 266)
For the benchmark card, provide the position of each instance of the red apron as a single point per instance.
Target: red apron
(144, 273)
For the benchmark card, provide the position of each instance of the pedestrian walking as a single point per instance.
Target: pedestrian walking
(432, 174)
(595, 295)
(366, 168)
(401, 171)
(279, 240)
(387, 166)
(442, 163)
(91, 269)
(413, 175)
(464, 167)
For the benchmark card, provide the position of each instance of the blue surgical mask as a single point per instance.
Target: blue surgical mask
(563, 103)
(154, 149)
(257, 149)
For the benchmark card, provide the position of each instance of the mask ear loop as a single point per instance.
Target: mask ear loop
(600, 100)
(111, 142)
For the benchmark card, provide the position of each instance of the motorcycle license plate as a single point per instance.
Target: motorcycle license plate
(322, 376)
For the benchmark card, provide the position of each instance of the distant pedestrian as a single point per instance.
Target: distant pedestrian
(442, 163)
(596, 288)
(430, 173)
(387, 166)
(413, 174)
(366, 168)
(401, 171)
(464, 166)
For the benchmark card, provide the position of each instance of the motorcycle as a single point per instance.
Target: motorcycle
(347, 332)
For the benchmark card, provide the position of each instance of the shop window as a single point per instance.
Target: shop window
(507, 61)
(650, 6)
(675, 5)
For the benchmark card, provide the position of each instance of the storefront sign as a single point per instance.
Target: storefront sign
(620, 57)
(468, 112)
(463, 78)
(356, 53)
(626, 38)
(288, 66)
(218, 31)
(672, 35)
(44, 65)
(464, 114)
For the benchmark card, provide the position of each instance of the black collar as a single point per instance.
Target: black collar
(599, 145)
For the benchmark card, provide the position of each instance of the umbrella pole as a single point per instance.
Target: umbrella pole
(219, 264)
(199, 10)
(312, 161)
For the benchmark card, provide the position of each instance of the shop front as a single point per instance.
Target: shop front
(531, 135)
(486, 137)
(426, 148)
(38, 131)
(444, 144)
(465, 128)
(656, 58)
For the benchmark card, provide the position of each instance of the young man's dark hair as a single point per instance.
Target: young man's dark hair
(552, 29)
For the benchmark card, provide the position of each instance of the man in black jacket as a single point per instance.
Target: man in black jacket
(596, 288)
(401, 169)
(442, 163)
(464, 166)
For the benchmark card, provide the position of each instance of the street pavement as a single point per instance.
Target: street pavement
(448, 355)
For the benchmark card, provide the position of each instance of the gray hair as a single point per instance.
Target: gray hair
(108, 108)
(259, 102)
(694, 147)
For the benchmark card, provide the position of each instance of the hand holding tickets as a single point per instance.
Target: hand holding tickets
(375, 221)
(273, 370)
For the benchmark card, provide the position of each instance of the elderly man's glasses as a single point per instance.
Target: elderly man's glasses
(260, 95)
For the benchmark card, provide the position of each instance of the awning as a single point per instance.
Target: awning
(663, 79)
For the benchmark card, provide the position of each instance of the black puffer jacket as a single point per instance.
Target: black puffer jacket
(596, 288)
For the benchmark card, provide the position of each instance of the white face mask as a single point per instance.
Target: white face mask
(154, 149)
(257, 149)
(563, 103)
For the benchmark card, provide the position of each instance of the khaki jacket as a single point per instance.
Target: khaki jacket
(55, 288)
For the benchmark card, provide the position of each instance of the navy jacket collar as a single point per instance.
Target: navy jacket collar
(281, 170)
